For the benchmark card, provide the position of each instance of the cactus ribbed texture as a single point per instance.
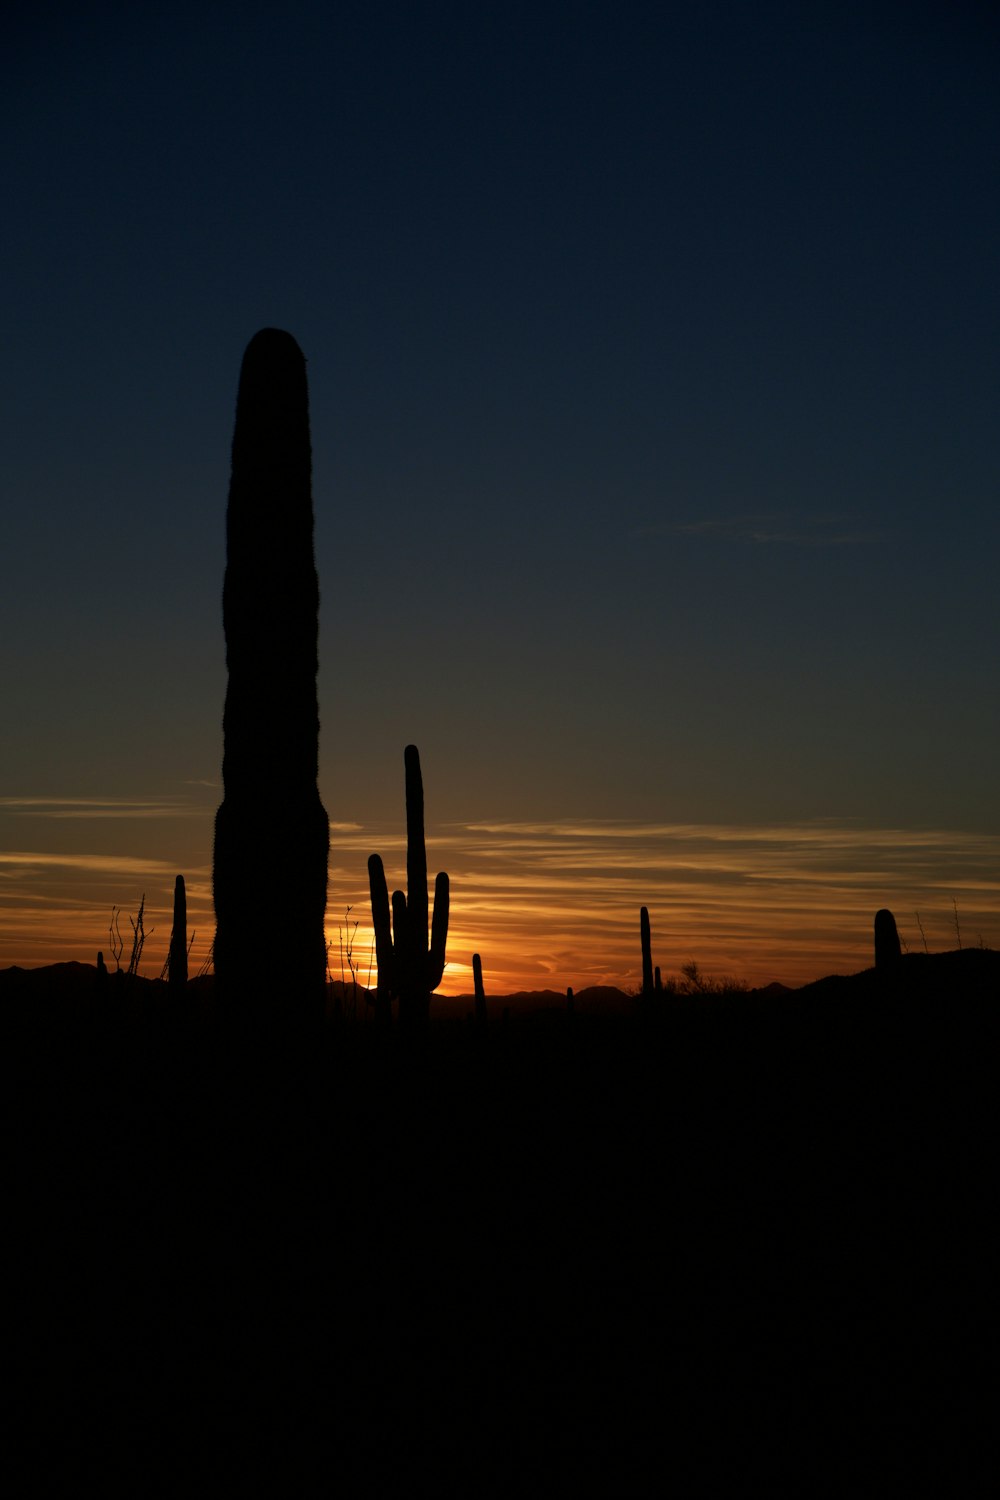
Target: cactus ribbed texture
(407, 968)
(887, 946)
(178, 970)
(647, 954)
(271, 832)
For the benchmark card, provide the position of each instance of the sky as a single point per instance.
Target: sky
(653, 354)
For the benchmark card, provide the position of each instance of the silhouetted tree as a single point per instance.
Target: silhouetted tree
(138, 925)
(271, 831)
(407, 968)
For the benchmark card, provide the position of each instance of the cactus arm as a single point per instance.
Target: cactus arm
(439, 931)
(384, 957)
(399, 931)
(417, 969)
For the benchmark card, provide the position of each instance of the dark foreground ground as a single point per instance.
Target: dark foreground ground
(520, 1258)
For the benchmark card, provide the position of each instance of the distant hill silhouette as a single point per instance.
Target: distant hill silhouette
(966, 971)
(963, 971)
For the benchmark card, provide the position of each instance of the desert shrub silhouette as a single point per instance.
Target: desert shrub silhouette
(409, 970)
(271, 830)
(693, 982)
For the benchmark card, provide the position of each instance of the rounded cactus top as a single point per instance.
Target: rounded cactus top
(273, 372)
(271, 341)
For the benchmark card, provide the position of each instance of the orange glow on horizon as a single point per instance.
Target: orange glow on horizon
(551, 905)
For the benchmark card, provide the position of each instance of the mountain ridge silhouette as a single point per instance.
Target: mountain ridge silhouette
(962, 968)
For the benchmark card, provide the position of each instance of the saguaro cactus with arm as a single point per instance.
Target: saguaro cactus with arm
(413, 969)
(271, 831)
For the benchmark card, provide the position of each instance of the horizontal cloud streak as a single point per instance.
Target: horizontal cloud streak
(557, 903)
(100, 807)
(105, 864)
(551, 904)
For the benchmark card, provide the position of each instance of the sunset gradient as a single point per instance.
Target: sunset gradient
(653, 356)
(547, 905)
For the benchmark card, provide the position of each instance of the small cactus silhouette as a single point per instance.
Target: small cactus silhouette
(477, 979)
(647, 954)
(178, 962)
(409, 970)
(887, 947)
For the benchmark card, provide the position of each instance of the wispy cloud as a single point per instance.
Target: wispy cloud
(101, 807)
(776, 528)
(105, 864)
(557, 903)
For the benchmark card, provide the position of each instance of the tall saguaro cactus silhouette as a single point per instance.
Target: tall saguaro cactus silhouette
(407, 967)
(271, 831)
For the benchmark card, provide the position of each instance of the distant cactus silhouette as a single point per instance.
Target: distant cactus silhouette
(385, 960)
(178, 962)
(271, 831)
(887, 947)
(647, 954)
(477, 979)
(407, 968)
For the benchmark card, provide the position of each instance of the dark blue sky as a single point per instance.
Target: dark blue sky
(654, 361)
